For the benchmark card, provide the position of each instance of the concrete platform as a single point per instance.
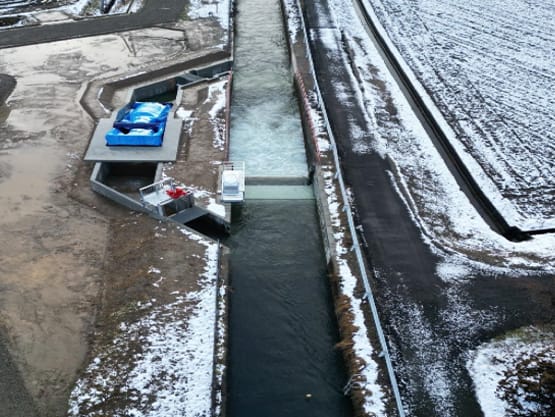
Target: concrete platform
(99, 151)
(279, 192)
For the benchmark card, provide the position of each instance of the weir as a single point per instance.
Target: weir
(282, 327)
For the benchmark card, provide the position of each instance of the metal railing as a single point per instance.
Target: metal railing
(352, 228)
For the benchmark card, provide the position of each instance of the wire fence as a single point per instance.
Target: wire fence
(352, 228)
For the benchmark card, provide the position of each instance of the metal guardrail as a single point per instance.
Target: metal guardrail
(356, 245)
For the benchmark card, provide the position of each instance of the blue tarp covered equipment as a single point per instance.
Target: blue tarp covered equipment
(140, 124)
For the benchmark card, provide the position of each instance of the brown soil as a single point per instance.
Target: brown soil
(50, 282)
(70, 256)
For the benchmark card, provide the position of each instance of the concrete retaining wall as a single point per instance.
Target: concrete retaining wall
(98, 96)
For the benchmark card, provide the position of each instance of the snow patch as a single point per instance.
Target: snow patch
(183, 114)
(172, 372)
(218, 10)
(374, 403)
(294, 24)
(499, 121)
(492, 362)
(421, 174)
(218, 93)
(216, 208)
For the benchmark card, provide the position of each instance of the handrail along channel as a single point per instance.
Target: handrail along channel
(356, 245)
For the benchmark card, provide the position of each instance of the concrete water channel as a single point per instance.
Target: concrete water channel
(282, 325)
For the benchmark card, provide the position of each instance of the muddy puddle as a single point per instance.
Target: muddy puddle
(25, 180)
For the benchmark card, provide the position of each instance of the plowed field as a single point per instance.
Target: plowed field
(488, 65)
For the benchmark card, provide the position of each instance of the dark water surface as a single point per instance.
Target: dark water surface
(282, 325)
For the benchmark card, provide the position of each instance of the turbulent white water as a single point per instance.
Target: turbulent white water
(266, 131)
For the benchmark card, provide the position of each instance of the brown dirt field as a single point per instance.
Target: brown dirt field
(71, 260)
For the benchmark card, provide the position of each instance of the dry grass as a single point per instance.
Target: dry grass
(345, 318)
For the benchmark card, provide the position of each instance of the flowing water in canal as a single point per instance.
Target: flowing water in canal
(282, 324)
(266, 130)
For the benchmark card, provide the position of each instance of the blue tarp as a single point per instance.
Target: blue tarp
(141, 124)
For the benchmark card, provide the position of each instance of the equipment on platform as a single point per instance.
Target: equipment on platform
(232, 182)
(139, 124)
(165, 198)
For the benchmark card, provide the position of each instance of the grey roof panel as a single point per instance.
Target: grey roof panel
(98, 151)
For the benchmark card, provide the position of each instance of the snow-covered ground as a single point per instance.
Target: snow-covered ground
(216, 9)
(161, 364)
(488, 66)
(448, 221)
(91, 7)
(15, 14)
(507, 374)
(218, 93)
(374, 395)
(71, 7)
(449, 224)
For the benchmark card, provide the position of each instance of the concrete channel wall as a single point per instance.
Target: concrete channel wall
(307, 90)
(219, 381)
(97, 99)
(98, 178)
